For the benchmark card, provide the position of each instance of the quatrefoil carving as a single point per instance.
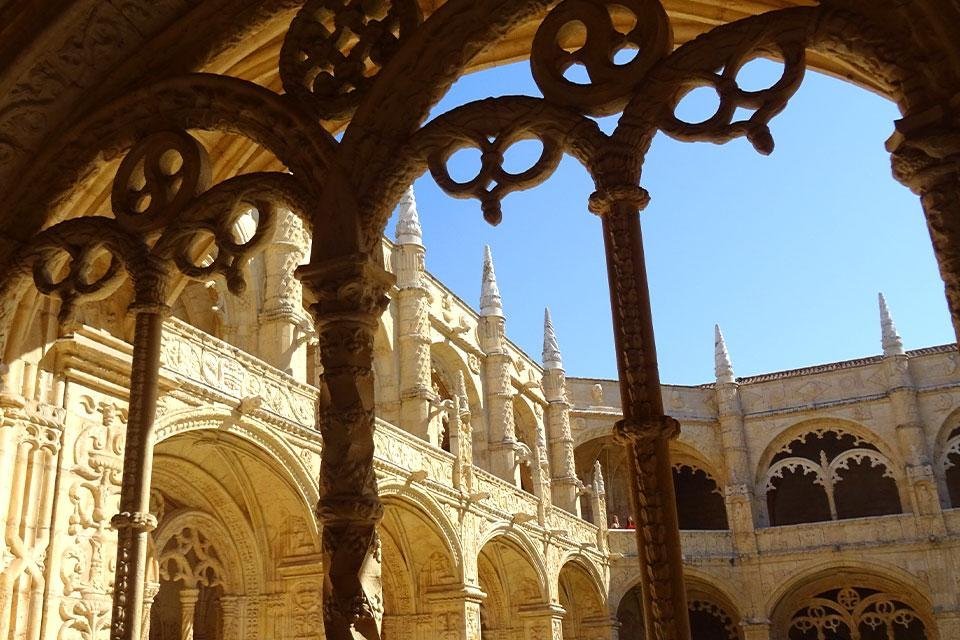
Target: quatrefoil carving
(335, 48)
(611, 83)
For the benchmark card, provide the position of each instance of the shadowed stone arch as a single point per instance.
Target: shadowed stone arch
(714, 612)
(514, 581)
(530, 552)
(214, 530)
(828, 469)
(947, 461)
(172, 478)
(582, 597)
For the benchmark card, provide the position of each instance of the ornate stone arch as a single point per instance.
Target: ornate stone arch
(527, 548)
(583, 599)
(823, 585)
(947, 460)
(430, 511)
(173, 475)
(589, 566)
(232, 567)
(448, 361)
(851, 445)
(708, 596)
(249, 430)
(231, 106)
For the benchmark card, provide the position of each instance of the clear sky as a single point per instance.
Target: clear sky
(786, 252)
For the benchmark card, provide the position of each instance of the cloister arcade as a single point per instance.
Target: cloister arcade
(198, 450)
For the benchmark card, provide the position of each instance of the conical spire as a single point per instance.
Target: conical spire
(723, 368)
(551, 348)
(408, 222)
(490, 302)
(892, 343)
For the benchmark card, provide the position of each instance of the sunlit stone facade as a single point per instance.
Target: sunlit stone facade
(807, 498)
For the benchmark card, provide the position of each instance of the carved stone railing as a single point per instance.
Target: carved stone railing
(225, 373)
(210, 368)
(900, 528)
(575, 529)
(695, 544)
(504, 496)
(407, 454)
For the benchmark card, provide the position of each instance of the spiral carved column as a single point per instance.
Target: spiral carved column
(351, 294)
(644, 430)
(135, 522)
(926, 158)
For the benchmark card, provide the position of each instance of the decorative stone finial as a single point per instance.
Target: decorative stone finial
(408, 223)
(723, 368)
(490, 302)
(892, 343)
(551, 348)
(598, 486)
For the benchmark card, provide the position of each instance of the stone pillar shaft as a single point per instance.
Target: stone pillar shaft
(134, 522)
(645, 430)
(738, 486)
(188, 608)
(351, 295)
(565, 486)
(413, 320)
(501, 427)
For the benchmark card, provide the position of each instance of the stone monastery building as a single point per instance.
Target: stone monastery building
(809, 501)
(232, 410)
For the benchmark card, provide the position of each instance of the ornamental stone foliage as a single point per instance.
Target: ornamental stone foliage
(231, 409)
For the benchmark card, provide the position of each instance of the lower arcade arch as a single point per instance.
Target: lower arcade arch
(236, 552)
(581, 597)
(848, 604)
(515, 602)
(421, 578)
(713, 616)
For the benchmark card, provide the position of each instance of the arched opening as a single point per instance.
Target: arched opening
(444, 395)
(231, 520)
(585, 613)
(829, 474)
(700, 504)
(513, 587)
(613, 464)
(420, 576)
(846, 605)
(529, 433)
(712, 616)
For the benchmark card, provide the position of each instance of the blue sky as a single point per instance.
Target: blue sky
(786, 253)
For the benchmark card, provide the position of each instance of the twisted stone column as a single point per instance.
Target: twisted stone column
(351, 295)
(926, 158)
(644, 430)
(135, 522)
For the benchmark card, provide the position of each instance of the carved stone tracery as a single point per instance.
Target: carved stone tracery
(346, 56)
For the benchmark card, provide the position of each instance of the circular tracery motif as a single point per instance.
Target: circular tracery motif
(156, 180)
(856, 613)
(335, 48)
(610, 83)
